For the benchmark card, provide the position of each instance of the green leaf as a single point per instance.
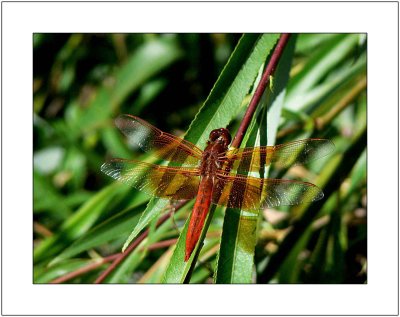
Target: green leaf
(178, 269)
(319, 65)
(123, 273)
(290, 269)
(153, 210)
(235, 261)
(78, 224)
(113, 228)
(308, 43)
(47, 198)
(335, 81)
(147, 93)
(44, 274)
(149, 59)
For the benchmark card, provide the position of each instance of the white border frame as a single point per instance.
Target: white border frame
(21, 297)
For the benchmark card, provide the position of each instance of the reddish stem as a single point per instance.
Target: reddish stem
(83, 270)
(162, 244)
(273, 62)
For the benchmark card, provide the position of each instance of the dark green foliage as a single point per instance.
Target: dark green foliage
(195, 83)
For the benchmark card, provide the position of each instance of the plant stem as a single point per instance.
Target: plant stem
(162, 244)
(273, 62)
(85, 269)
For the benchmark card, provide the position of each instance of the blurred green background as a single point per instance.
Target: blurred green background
(82, 81)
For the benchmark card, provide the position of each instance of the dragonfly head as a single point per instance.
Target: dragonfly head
(221, 135)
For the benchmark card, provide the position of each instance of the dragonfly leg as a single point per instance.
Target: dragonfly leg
(173, 206)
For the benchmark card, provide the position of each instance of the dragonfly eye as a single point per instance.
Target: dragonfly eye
(222, 134)
(214, 135)
(226, 136)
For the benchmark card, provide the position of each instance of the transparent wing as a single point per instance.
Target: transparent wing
(283, 155)
(165, 182)
(163, 145)
(252, 194)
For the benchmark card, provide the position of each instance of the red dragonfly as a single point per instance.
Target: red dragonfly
(216, 175)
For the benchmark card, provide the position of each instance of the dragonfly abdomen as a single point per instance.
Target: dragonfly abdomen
(199, 214)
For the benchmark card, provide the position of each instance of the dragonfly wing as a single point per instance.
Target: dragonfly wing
(165, 182)
(163, 145)
(252, 194)
(283, 155)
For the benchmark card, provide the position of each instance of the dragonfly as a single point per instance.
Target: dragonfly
(218, 175)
